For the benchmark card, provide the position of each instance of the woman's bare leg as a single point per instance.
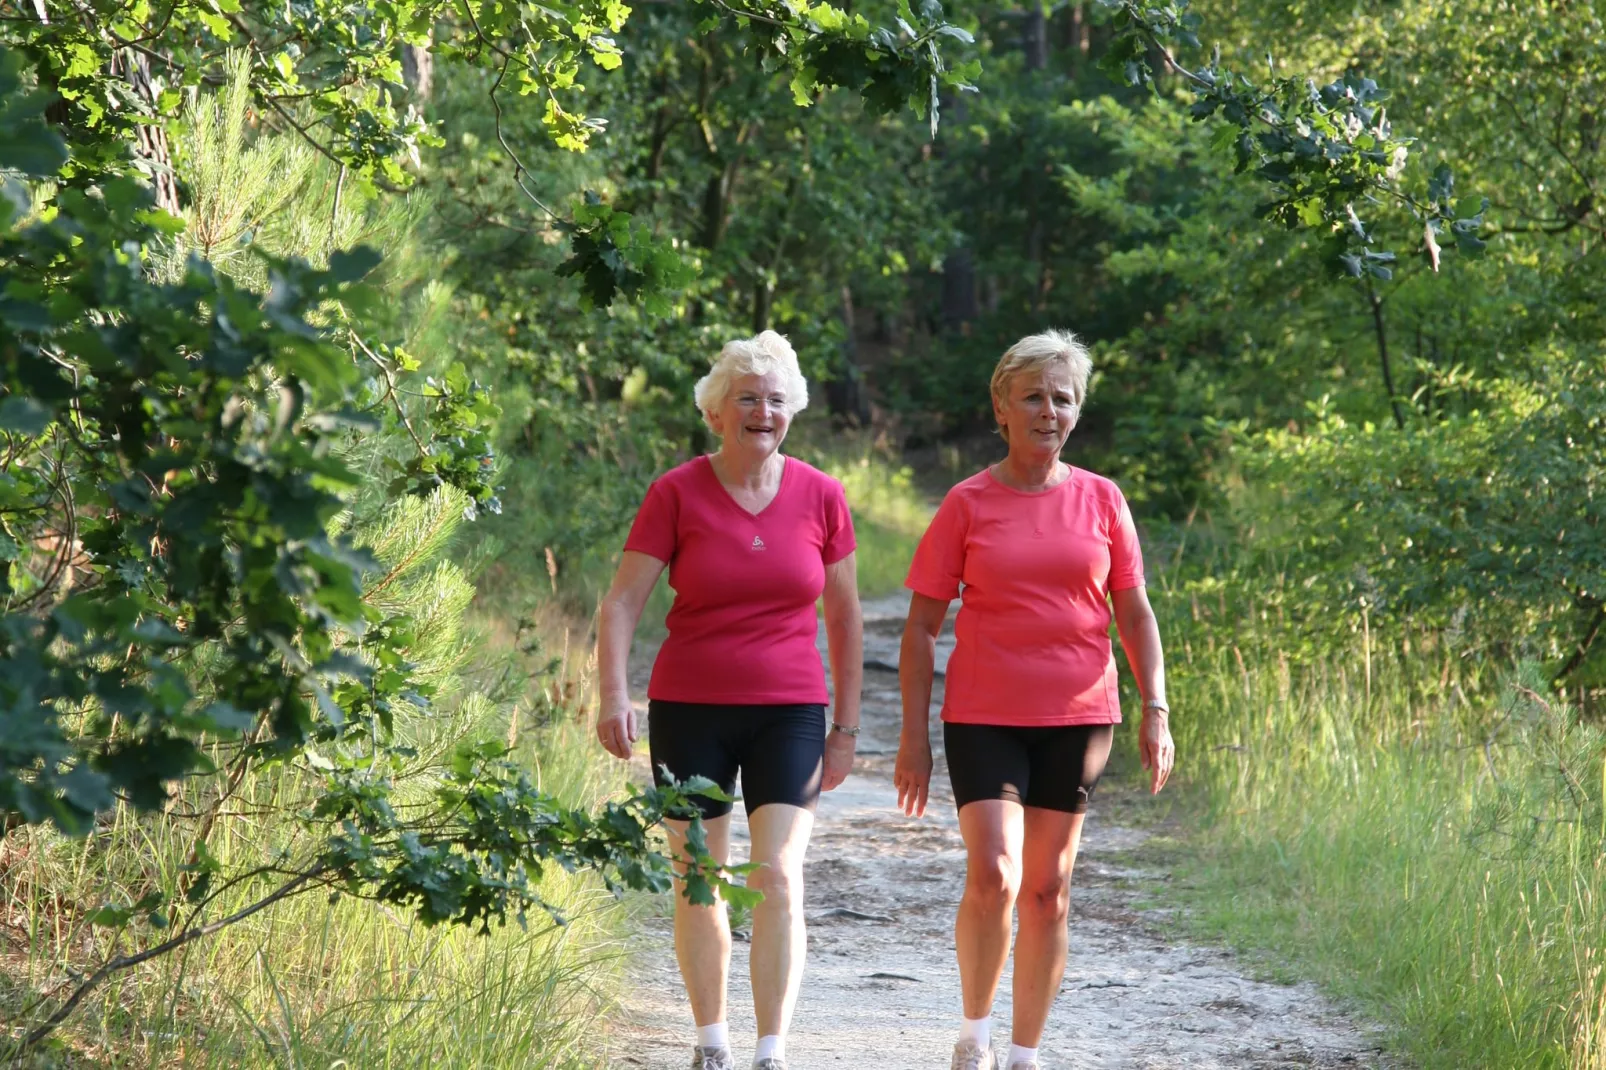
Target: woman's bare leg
(992, 829)
(780, 834)
(702, 933)
(1051, 841)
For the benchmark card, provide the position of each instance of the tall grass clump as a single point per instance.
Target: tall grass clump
(1415, 825)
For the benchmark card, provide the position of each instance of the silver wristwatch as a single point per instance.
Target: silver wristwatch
(1156, 704)
(845, 730)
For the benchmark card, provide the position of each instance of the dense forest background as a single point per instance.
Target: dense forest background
(340, 342)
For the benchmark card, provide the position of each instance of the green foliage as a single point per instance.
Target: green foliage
(1322, 150)
(828, 47)
(329, 72)
(180, 598)
(614, 256)
(480, 854)
(178, 434)
(461, 418)
(1488, 524)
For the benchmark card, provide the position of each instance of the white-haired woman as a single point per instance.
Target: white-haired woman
(752, 539)
(1037, 551)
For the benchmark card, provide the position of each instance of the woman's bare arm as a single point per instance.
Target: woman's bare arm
(917, 665)
(1140, 638)
(616, 626)
(844, 637)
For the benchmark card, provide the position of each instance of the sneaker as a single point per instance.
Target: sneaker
(712, 1059)
(769, 1064)
(971, 1057)
(1025, 1066)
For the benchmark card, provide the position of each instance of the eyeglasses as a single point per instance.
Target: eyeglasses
(750, 402)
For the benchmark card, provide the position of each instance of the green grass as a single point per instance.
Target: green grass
(1360, 830)
(889, 516)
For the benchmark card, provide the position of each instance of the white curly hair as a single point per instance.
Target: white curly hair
(759, 355)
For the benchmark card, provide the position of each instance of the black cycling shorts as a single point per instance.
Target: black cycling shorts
(780, 750)
(1053, 768)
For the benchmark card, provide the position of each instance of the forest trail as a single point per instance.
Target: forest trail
(882, 988)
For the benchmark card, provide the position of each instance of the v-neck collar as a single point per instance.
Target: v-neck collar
(724, 491)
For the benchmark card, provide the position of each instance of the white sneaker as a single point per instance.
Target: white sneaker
(971, 1057)
(711, 1059)
(769, 1064)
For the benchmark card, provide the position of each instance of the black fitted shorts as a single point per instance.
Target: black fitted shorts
(780, 750)
(1053, 768)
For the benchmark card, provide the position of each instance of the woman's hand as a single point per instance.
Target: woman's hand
(1156, 749)
(839, 747)
(616, 728)
(912, 775)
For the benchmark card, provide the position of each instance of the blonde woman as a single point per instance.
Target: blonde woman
(752, 540)
(1038, 552)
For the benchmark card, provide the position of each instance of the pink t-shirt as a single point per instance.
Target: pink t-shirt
(742, 629)
(1033, 572)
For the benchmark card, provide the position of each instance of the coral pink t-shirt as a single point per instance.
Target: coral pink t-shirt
(1033, 572)
(742, 629)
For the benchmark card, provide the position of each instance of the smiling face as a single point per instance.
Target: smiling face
(754, 416)
(1038, 412)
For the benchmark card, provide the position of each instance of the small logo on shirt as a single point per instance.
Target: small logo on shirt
(758, 543)
(1037, 534)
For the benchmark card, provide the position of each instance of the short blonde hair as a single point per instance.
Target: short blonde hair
(1038, 351)
(759, 355)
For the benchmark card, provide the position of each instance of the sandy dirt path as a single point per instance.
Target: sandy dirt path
(882, 988)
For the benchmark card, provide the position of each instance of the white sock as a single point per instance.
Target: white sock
(1018, 1054)
(713, 1036)
(977, 1031)
(770, 1047)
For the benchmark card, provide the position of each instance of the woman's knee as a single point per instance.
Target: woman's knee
(780, 884)
(992, 880)
(1046, 898)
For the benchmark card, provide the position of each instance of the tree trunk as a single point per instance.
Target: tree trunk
(418, 70)
(713, 228)
(661, 126)
(150, 147)
(1591, 632)
(762, 293)
(721, 188)
(1034, 36)
(958, 289)
(1034, 43)
(1383, 352)
(844, 392)
(1078, 38)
